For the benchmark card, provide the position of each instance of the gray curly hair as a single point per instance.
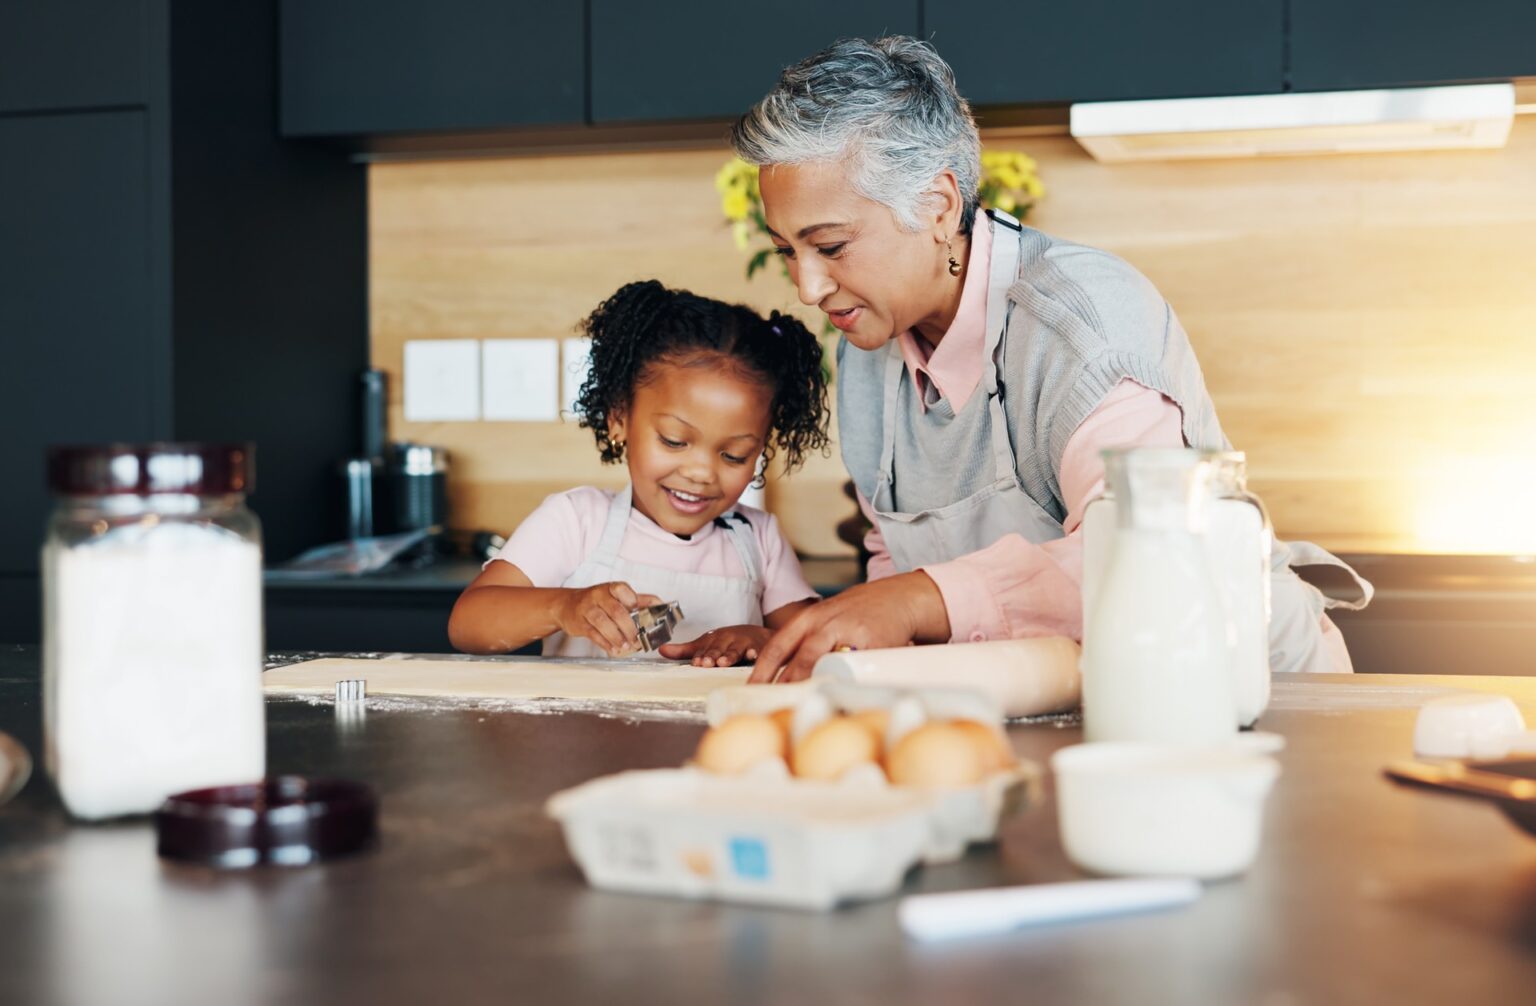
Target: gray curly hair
(889, 106)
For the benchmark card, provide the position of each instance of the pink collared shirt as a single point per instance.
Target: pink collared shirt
(1014, 588)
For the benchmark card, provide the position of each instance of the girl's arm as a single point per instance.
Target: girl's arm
(734, 644)
(502, 611)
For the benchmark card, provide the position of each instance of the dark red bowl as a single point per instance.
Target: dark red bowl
(283, 821)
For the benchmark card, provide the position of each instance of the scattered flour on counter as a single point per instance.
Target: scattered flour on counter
(629, 712)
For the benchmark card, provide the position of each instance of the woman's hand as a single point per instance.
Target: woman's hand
(893, 611)
(601, 613)
(721, 647)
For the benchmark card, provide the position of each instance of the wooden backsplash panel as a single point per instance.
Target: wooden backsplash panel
(1367, 324)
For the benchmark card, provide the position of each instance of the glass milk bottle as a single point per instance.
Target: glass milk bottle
(1157, 646)
(152, 632)
(1240, 541)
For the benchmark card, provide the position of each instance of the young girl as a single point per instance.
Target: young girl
(695, 396)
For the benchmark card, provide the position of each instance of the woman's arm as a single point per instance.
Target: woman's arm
(502, 611)
(1010, 589)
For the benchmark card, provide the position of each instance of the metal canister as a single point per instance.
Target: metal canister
(418, 486)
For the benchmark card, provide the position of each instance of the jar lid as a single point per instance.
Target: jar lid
(286, 821)
(161, 467)
(418, 459)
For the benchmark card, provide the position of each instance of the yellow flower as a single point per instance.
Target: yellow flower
(737, 175)
(1006, 203)
(1008, 176)
(1034, 187)
(735, 204)
(741, 235)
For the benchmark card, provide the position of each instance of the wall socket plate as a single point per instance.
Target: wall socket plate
(442, 380)
(520, 380)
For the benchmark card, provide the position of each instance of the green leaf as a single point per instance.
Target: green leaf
(758, 261)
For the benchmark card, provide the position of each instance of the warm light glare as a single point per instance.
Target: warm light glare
(1479, 505)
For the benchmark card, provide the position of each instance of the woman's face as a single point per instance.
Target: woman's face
(849, 257)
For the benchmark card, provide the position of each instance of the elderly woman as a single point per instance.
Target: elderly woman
(983, 367)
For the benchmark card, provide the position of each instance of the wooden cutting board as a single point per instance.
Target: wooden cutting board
(607, 681)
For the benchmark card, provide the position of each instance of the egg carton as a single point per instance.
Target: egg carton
(768, 838)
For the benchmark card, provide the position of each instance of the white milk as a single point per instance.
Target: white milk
(152, 665)
(1156, 648)
(1238, 546)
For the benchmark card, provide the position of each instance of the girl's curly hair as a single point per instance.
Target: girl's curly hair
(646, 323)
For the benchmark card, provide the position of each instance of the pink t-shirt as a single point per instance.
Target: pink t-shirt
(567, 527)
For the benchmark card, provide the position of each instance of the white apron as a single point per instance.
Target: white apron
(1004, 507)
(708, 602)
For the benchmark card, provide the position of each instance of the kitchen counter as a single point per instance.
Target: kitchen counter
(1363, 893)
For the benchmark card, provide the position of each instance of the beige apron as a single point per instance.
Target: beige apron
(708, 602)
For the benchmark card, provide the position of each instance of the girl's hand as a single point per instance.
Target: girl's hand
(725, 647)
(601, 613)
(893, 611)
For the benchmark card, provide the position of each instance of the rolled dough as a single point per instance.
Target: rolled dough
(534, 678)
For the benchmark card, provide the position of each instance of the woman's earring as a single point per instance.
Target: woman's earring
(954, 266)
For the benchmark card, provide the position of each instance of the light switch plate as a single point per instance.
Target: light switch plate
(520, 379)
(575, 361)
(442, 380)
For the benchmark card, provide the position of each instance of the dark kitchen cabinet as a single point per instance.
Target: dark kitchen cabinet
(174, 269)
(76, 315)
(388, 66)
(676, 60)
(1345, 44)
(1097, 50)
(73, 54)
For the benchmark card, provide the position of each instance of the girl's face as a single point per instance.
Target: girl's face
(849, 257)
(692, 438)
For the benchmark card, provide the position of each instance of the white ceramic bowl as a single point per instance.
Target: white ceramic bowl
(1145, 809)
(1466, 725)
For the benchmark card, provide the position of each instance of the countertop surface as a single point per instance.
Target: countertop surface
(1363, 893)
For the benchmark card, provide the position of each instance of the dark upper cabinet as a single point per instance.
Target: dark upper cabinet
(389, 66)
(674, 60)
(1088, 50)
(178, 270)
(1343, 44)
(79, 347)
(57, 54)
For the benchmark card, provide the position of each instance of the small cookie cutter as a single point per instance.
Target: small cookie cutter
(655, 624)
(351, 690)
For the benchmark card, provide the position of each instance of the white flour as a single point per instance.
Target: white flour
(152, 666)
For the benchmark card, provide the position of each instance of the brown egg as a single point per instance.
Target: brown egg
(785, 718)
(937, 755)
(833, 747)
(996, 752)
(876, 720)
(739, 743)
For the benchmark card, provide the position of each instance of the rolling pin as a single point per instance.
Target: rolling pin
(1027, 677)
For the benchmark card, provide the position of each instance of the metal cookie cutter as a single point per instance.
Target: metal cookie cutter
(655, 624)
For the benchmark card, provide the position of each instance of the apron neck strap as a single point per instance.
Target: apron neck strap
(739, 529)
(613, 529)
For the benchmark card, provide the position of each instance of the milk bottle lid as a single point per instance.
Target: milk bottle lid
(285, 821)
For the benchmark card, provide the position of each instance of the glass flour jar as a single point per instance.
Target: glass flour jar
(152, 625)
